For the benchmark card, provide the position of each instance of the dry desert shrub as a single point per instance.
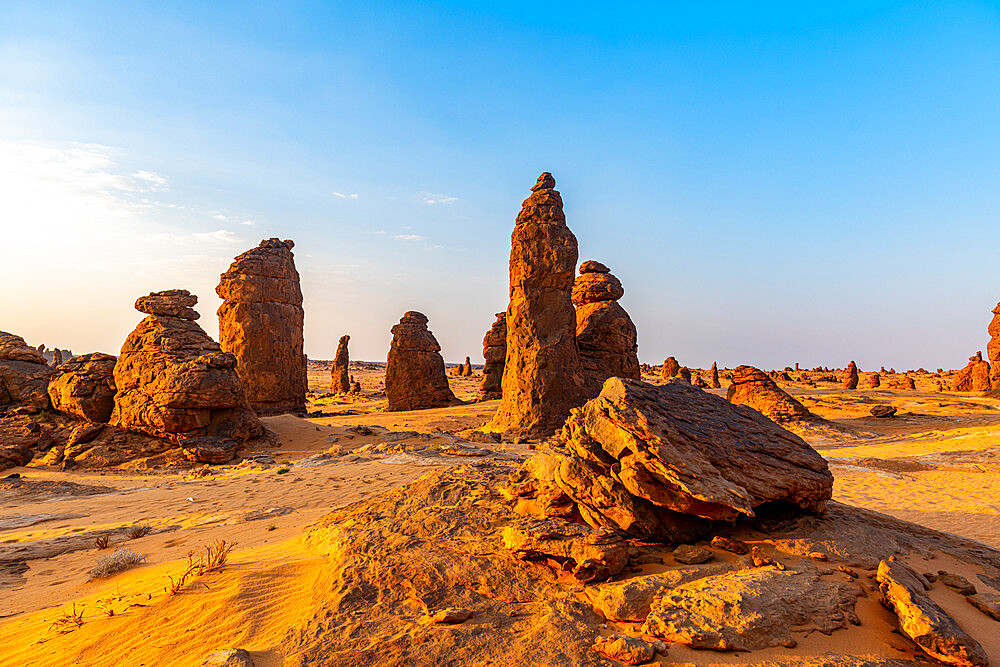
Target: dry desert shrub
(214, 558)
(102, 542)
(119, 560)
(137, 531)
(68, 622)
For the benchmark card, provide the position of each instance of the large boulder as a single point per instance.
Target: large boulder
(414, 373)
(543, 377)
(851, 376)
(260, 323)
(605, 334)
(752, 387)
(670, 368)
(657, 461)
(85, 387)
(175, 382)
(495, 354)
(340, 377)
(24, 373)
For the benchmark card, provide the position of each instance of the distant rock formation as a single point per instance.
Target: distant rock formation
(24, 373)
(467, 368)
(851, 376)
(605, 334)
(495, 354)
(174, 382)
(715, 384)
(543, 377)
(670, 368)
(752, 387)
(874, 380)
(260, 322)
(85, 387)
(684, 373)
(414, 373)
(340, 379)
(974, 377)
(906, 382)
(993, 347)
(57, 357)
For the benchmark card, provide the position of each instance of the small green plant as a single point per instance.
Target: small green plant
(283, 469)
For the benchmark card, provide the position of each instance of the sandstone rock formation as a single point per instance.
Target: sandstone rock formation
(874, 380)
(684, 373)
(670, 368)
(851, 376)
(543, 377)
(467, 368)
(24, 373)
(974, 377)
(174, 382)
(753, 387)
(903, 591)
(85, 387)
(715, 384)
(906, 382)
(57, 357)
(993, 347)
(495, 354)
(260, 323)
(605, 334)
(340, 378)
(414, 373)
(639, 458)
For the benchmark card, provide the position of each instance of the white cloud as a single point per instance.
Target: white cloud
(353, 195)
(437, 199)
(219, 236)
(154, 179)
(408, 237)
(248, 223)
(219, 216)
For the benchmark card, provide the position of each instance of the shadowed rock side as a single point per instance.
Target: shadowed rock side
(85, 387)
(260, 322)
(605, 335)
(670, 369)
(495, 354)
(24, 373)
(974, 377)
(414, 375)
(993, 347)
(543, 377)
(715, 384)
(340, 378)
(174, 382)
(851, 376)
(656, 461)
(752, 387)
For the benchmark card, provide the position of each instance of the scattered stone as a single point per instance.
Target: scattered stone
(988, 603)
(956, 582)
(588, 555)
(730, 545)
(760, 560)
(974, 377)
(260, 323)
(629, 600)
(670, 368)
(543, 378)
(451, 615)
(851, 376)
(24, 373)
(605, 335)
(922, 620)
(883, 411)
(85, 387)
(340, 379)
(495, 354)
(414, 375)
(691, 554)
(229, 657)
(624, 649)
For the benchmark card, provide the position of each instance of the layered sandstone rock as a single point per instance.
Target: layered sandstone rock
(993, 347)
(752, 387)
(260, 323)
(715, 384)
(414, 373)
(340, 378)
(495, 354)
(24, 373)
(605, 334)
(851, 376)
(658, 461)
(543, 377)
(85, 387)
(874, 380)
(974, 377)
(670, 368)
(174, 382)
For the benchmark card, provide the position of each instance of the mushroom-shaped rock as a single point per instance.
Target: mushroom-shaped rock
(495, 355)
(260, 323)
(85, 387)
(340, 378)
(414, 375)
(24, 373)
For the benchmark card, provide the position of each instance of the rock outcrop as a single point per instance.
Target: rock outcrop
(414, 375)
(974, 377)
(85, 387)
(658, 461)
(174, 382)
(670, 368)
(851, 376)
(340, 378)
(993, 347)
(874, 380)
(605, 334)
(260, 323)
(715, 384)
(467, 368)
(24, 373)
(543, 377)
(495, 354)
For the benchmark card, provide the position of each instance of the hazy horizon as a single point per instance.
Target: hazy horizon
(772, 185)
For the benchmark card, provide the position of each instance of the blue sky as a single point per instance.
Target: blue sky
(772, 182)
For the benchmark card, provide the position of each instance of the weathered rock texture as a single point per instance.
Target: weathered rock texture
(851, 376)
(260, 323)
(605, 334)
(993, 347)
(974, 377)
(495, 354)
(467, 368)
(340, 378)
(874, 380)
(715, 384)
(670, 368)
(414, 373)
(24, 373)
(543, 377)
(85, 387)
(174, 382)
(902, 590)
(656, 461)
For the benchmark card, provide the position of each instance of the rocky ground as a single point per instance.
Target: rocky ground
(416, 536)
